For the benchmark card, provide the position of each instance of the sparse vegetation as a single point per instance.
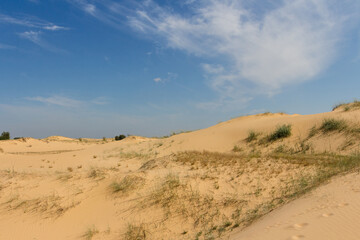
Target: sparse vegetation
(313, 131)
(237, 149)
(90, 233)
(127, 184)
(331, 125)
(348, 106)
(282, 131)
(252, 136)
(120, 137)
(135, 232)
(96, 173)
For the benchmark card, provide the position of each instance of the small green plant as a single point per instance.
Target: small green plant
(282, 131)
(237, 149)
(5, 136)
(331, 124)
(252, 136)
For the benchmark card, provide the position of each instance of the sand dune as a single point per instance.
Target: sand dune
(208, 184)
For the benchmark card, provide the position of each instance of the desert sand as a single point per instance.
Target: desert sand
(234, 180)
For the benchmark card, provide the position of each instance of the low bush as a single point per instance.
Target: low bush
(282, 131)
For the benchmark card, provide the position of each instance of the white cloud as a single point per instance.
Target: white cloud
(157, 79)
(289, 44)
(54, 28)
(260, 46)
(169, 77)
(57, 100)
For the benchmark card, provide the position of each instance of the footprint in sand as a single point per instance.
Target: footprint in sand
(295, 237)
(342, 204)
(326, 215)
(299, 226)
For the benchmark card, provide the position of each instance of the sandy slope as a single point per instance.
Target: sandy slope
(63, 188)
(330, 212)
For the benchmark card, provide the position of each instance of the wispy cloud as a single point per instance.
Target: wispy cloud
(6, 46)
(31, 21)
(262, 47)
(64, 101)
(35, 37)
(57, 100)
(100, 101)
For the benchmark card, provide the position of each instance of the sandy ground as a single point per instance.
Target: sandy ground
(330, 212)
(169, 188)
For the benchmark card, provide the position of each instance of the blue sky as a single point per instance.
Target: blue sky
(94, 68)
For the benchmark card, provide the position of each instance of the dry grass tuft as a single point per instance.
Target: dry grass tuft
(136, 232)
(96, 173)
(252, 136)
(90, 233)
(127, 184)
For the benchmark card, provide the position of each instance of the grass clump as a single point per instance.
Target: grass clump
(135, 232)
(252, 136)
(237, 149)
(331, 125)
(127, 184)
(96, 173)
(282, 131)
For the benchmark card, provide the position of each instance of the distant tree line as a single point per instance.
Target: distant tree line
(120, 137)
(5, 136)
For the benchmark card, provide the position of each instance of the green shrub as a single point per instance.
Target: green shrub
(5, 136)
(331, 124)
(120, 137)
(282, 131)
